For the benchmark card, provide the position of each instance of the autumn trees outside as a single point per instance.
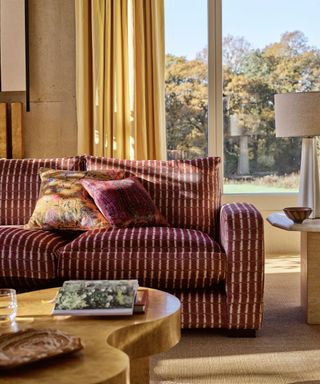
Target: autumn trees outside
(251, 79)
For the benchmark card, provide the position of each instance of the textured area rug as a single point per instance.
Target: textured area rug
(286, 350)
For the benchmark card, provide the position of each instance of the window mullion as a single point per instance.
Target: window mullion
(215, 107)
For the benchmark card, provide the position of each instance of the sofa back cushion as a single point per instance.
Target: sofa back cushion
(187, 192)
(20, 183)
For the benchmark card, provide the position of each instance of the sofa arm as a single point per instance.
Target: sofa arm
(241, 236)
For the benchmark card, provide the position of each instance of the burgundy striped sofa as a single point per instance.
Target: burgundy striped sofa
(211, 256)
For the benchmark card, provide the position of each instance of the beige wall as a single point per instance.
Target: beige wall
(50, 127)
(278, 241)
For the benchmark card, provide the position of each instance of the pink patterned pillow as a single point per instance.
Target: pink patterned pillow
(124, 203)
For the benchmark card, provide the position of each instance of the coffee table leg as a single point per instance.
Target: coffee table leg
(139, 371)
(310, 276)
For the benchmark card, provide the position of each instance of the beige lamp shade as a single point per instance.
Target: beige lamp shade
(297, 114)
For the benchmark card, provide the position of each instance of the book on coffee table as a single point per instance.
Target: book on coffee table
(141, 301)
(96, 297)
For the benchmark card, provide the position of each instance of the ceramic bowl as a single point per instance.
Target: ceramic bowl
(297, 214)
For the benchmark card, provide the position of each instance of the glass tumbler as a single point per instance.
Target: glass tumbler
(8, 305)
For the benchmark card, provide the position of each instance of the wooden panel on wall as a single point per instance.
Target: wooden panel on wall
(16, 130)
(13, 63)
(3, 130)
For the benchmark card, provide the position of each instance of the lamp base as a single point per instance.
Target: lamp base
(309, 191)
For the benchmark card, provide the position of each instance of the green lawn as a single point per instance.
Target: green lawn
(252, 188)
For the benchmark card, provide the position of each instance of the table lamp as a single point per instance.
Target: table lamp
(298, 114)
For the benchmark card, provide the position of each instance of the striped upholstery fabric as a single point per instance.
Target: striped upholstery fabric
(25, 284)
(186, 192)
(159, 257)
(241, 227)
(203, 308)
(27, 256)
(20, 183)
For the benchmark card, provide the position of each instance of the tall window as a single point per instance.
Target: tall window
(186, 78)
(267, 48)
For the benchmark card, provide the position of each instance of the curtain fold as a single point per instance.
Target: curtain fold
(120, 78)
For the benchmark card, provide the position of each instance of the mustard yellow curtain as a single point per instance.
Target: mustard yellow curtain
(120, 78)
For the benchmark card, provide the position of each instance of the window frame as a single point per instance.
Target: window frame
(263, 201)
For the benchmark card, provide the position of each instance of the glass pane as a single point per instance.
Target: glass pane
(268, 47)
(186, 78)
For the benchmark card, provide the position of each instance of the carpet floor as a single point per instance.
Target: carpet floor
(286, 350)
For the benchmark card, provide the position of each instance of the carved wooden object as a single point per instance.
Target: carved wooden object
(31, 345)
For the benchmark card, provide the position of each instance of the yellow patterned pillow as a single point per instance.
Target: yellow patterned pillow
(64, 204)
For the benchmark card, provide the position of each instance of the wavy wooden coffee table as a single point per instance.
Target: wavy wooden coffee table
(116, 350)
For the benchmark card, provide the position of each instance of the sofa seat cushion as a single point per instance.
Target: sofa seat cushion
(160, 257)
(29, 254)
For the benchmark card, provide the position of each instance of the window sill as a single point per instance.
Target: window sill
(264, 201)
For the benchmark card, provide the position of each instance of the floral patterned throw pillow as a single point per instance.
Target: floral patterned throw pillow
(64, 204)
(124, 203)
